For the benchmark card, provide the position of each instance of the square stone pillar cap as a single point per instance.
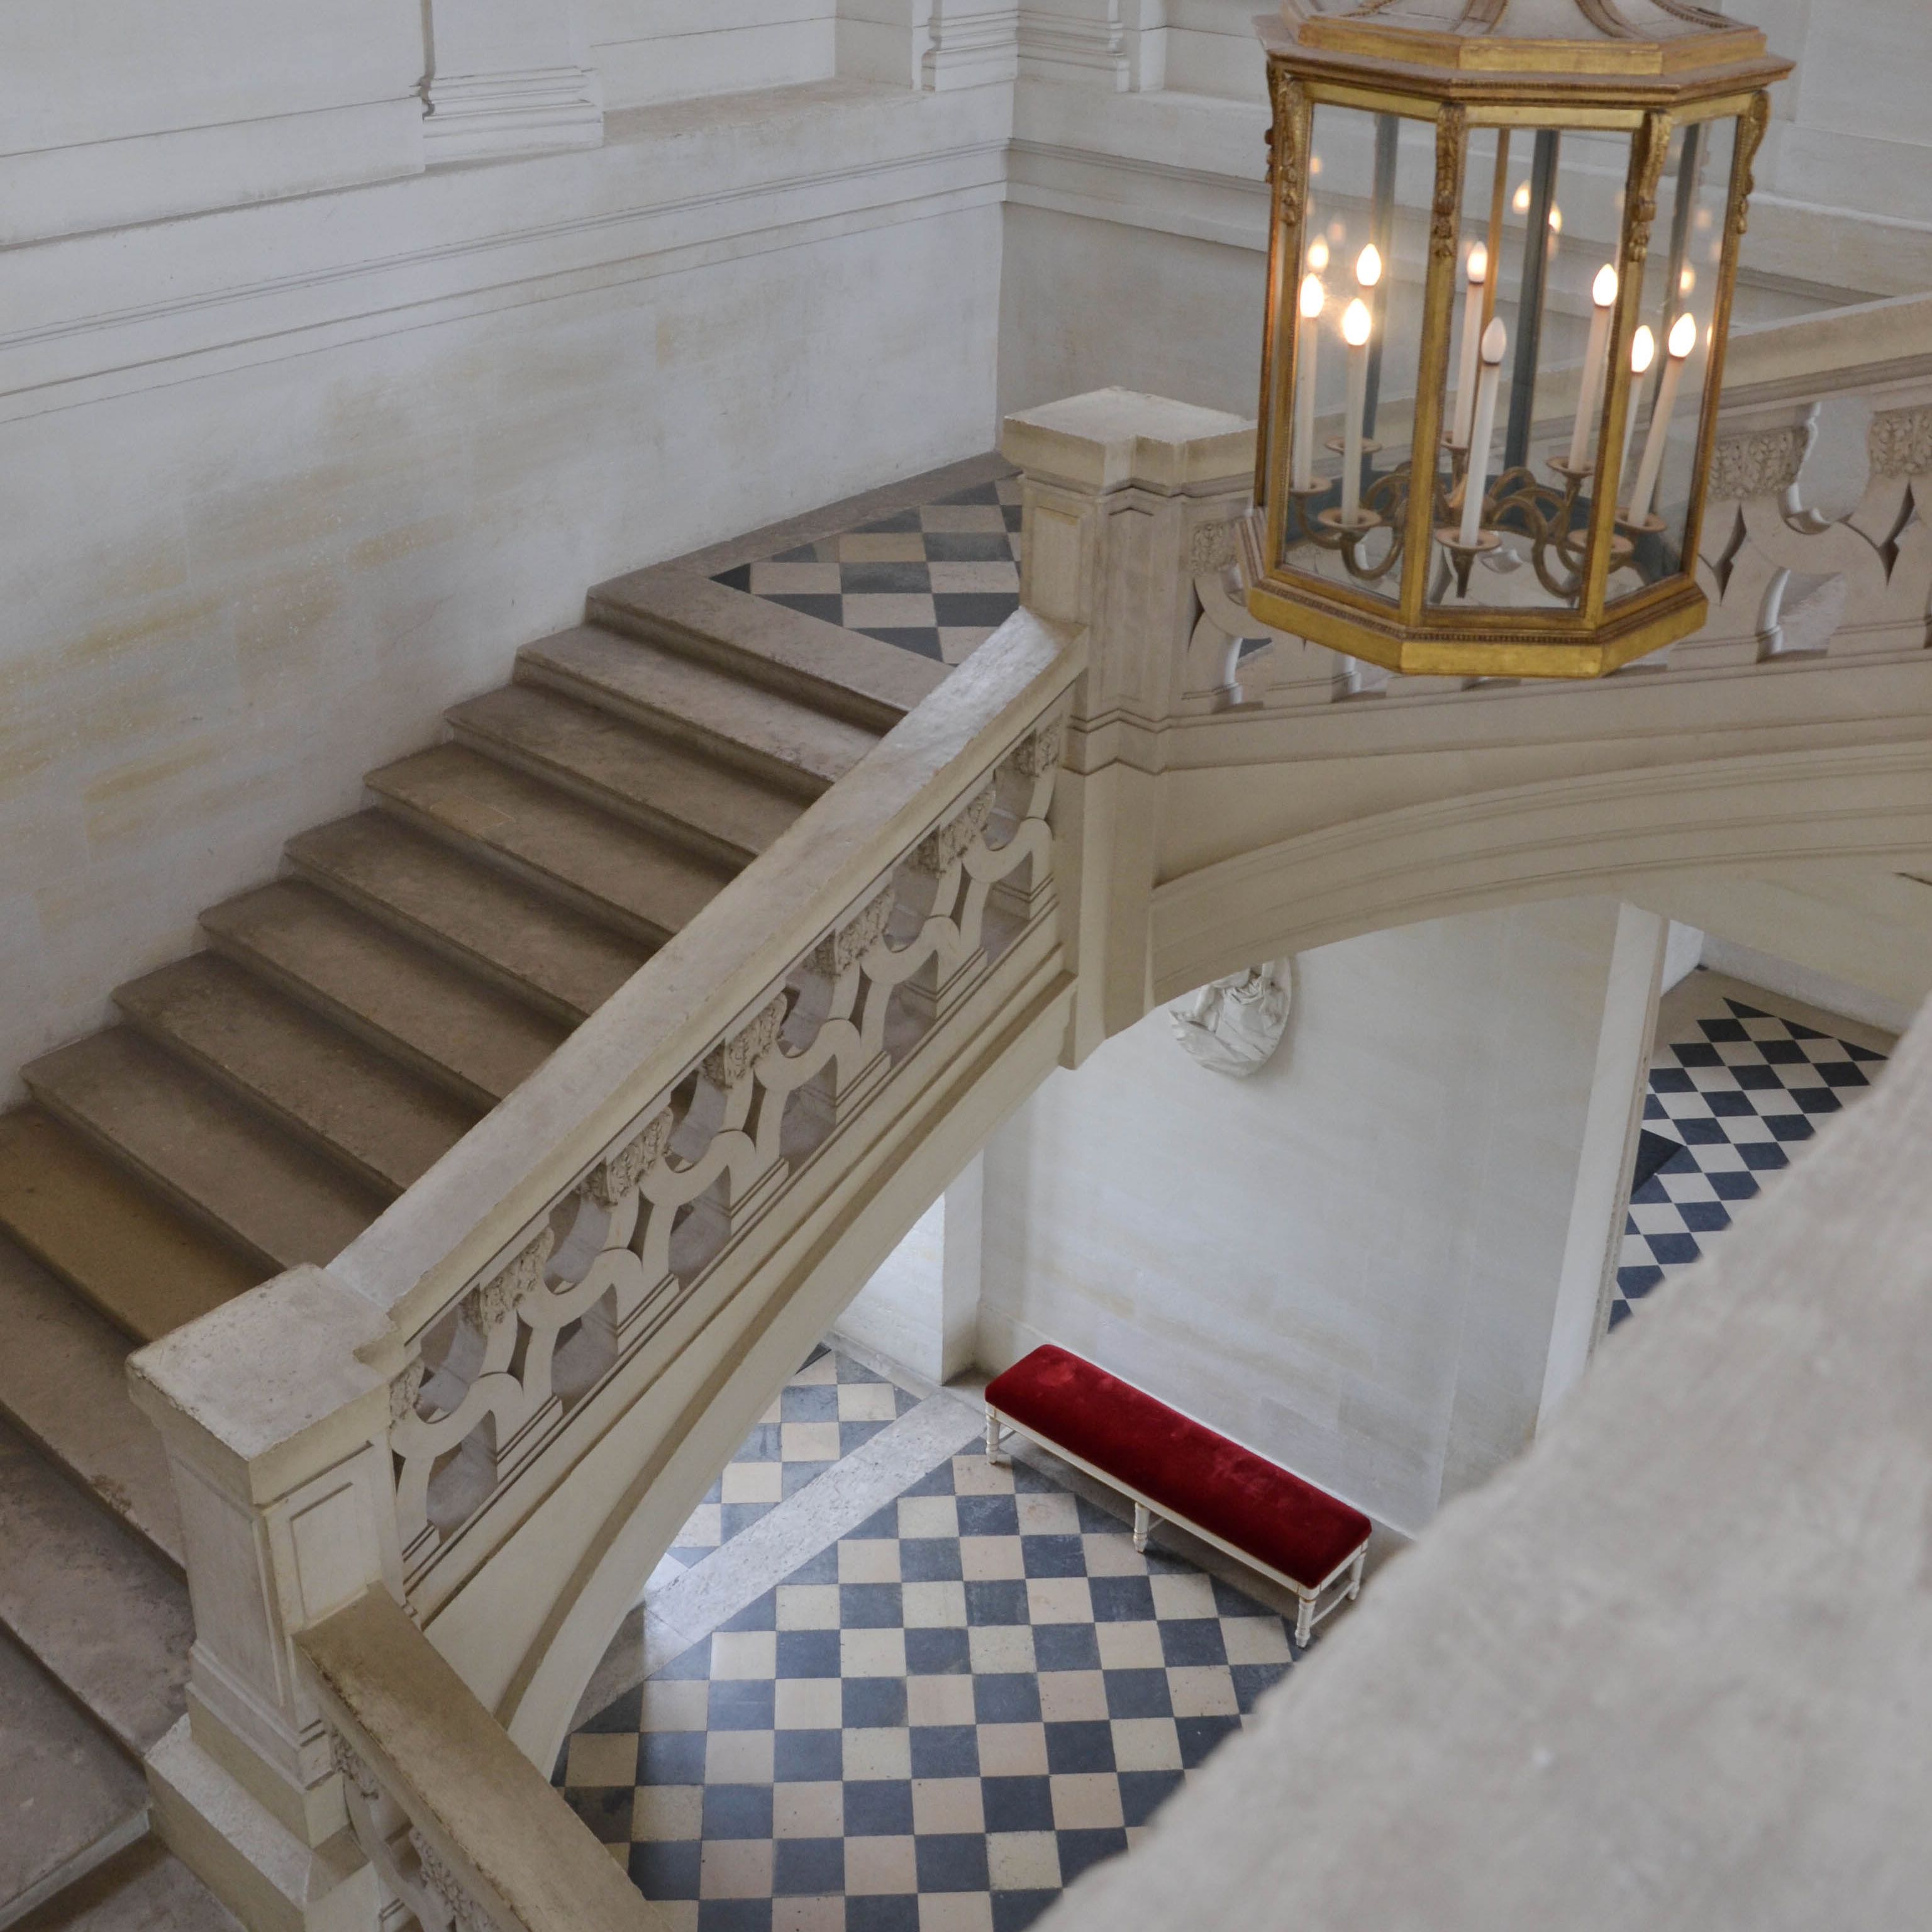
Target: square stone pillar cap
(267, 1387)
(1110, 438)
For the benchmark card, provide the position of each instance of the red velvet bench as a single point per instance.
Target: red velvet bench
(1174, 1468)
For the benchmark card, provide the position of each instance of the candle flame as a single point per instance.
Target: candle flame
(1687, 280)
(1519, 201)
(1355, 323)
(1683, 335)
(1556, 219)
(1643, 350)
(1496, 340)
(1314, 296)
(1369, 266)
(1603, 290)
(1479, 264)
(1318, 254)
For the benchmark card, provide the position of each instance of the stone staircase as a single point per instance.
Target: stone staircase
(259, 1103)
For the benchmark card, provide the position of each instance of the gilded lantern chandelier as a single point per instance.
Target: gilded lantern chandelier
(1503, 240)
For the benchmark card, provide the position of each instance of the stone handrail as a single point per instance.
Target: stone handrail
(724, 1114)
(458, 1825)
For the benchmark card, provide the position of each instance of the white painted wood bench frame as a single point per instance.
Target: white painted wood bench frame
(1343, 1585)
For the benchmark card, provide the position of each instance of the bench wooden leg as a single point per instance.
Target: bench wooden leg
(1304, 1623)
(994, 1432)
(1143, 1524)
(1355, 1575)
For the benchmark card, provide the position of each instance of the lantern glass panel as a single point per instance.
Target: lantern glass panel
(1544, 206)
(1370, 179)
(1680, 279)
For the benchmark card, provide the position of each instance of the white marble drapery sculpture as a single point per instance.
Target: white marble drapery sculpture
(1233, 1026)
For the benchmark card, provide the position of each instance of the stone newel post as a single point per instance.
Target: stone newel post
(288, 1507)
(1131, 506)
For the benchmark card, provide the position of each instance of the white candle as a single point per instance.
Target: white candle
(1313, 299)
(1472, 333)
(1355, 333)
(1683, 340)
(1495, 340)
(1643, 353)
(1589, 400)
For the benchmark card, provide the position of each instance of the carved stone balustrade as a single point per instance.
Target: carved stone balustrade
(617, 1256)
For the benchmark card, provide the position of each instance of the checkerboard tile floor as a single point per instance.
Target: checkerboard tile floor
(938, 580)
(827, 1410)
(932, 1726)
(1724, 1105)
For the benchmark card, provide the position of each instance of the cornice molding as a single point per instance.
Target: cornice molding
(683, 194)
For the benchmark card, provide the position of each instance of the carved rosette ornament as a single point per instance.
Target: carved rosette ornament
(488, 1303)
(1899, 442)
(614, 1176)
(843, 948)
(726, 1065)
(1763, 463)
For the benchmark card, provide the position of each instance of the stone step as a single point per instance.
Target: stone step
(225, 1163)
(384, 1123)
(144, 1888)
(763, 732)
(116, 1242)
(843, 673)
(69, 1798)
(477, 1042)
(64, 1384)
(726, 816)
(94, 1606)
(521, 940)
(601, 865)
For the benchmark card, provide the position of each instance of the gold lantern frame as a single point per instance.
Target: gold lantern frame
(1608, 80)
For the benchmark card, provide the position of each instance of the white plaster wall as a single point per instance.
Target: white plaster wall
(1088, 305)
(1351, 1261)
(123, 110)
(236, 579)
(651, 50)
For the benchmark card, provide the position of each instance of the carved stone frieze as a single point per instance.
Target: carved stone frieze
(1899, 442)
(1034, 756)
(348, 1760)
(1211, 547)
(446, 1888)
(1762, 462)
(487, 1305)
(844, 948)
(614, 1176)
(731, 1061)
(939, 850)
(403, 1391)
